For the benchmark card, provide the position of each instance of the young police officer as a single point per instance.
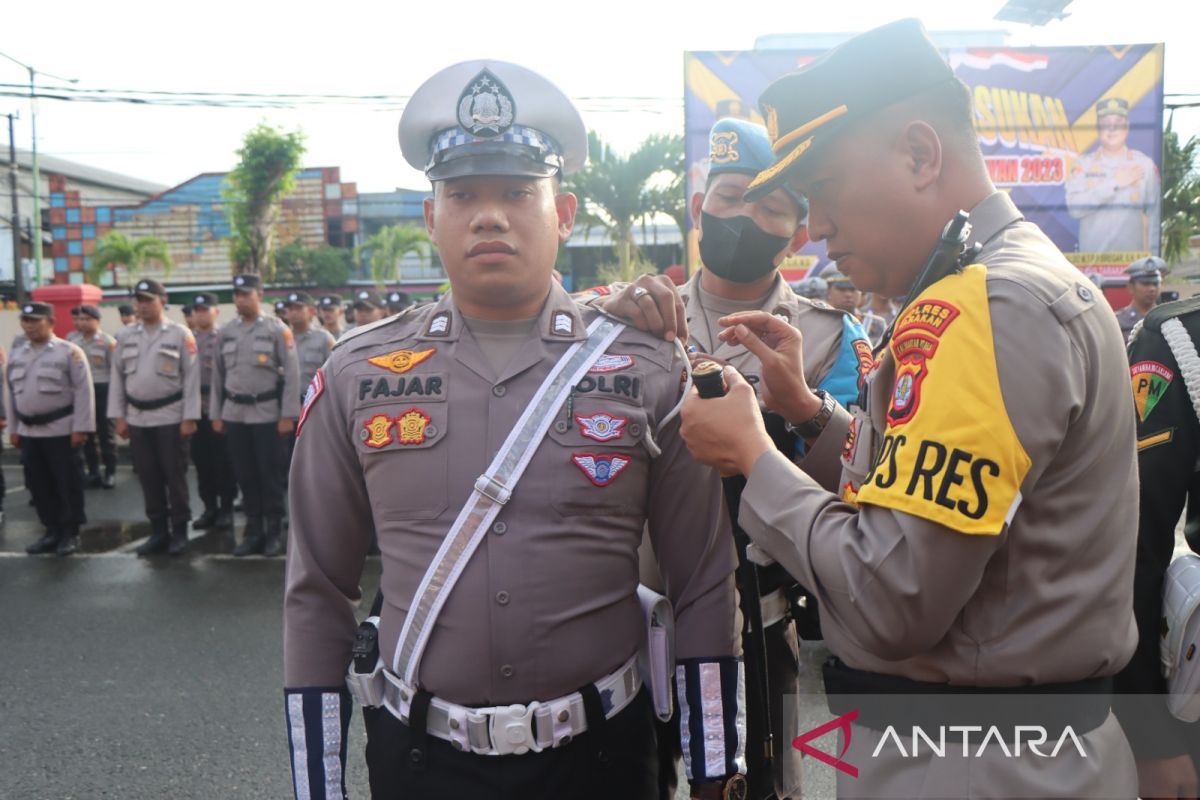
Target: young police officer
(510, 665)
(214, 472)
(98, 346)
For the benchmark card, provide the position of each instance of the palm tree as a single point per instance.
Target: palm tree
(620, 192)
(117, 249)
(1181, 194)
(390, 244)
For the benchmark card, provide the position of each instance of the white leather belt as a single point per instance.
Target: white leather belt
(515, 729)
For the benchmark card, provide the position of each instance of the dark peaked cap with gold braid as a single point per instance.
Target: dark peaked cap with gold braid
(807, 109)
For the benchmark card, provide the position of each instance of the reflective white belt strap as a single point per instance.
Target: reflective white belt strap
(515, 729)
(492, 490)
(1184, 350)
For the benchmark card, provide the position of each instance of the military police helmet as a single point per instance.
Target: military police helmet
(491, 118)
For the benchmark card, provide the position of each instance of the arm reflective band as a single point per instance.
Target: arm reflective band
(317, 720)
(712, 716)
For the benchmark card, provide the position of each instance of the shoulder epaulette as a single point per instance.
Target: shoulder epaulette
(354, 333)
(1173, 310)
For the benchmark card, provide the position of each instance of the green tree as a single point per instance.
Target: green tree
(619, 192)
(116, 249)
(1181, 194)
(267, 164)
(388, 245)
(323, 266)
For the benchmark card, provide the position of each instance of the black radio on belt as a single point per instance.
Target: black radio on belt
(365, 651)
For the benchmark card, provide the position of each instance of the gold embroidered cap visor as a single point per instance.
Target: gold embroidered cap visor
(808, 109)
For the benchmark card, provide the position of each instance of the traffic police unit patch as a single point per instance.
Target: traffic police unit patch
(601, 470)
(401, 361)
(315, 388)
(601, 427)
(1150, 380)
(611, 362)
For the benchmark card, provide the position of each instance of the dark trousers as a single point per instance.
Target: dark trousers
(214, 473)
(254, 451)
(100, 447)
(160, 456)
(3, 484)
(615, 759)
(54, 475)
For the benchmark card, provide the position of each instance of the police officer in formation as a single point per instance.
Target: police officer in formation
(368, 307)
(1145, 286)
(154, 400)
(515, 675)
(329, 309)
(255, 398)
(214, 472)
(978, 536)
(397, 301)
(1165, 371)
(50, 393)
(313, 346)
(98, 346)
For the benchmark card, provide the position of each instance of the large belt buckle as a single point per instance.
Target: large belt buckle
(492, 489)
(511, 729)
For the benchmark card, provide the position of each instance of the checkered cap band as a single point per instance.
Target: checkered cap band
(517, 134)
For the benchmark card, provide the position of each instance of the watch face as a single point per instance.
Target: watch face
(735, 788)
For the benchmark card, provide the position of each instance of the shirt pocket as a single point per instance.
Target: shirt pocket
(167, 362)
(263, 353)
(229, 353)
(400, 446)
(129, 359)
(605, 463)
(16, 377)
(50, 380)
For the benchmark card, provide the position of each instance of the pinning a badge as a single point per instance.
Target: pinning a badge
(601, 470)
(316, 388)
(486, 107)
(611, 362)
(401, 361)
(1150, 380)
(439, 325)
(601, 427)
(377, 431)
(411, 425)
(563, 324)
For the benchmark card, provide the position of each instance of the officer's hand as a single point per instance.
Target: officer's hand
(780, 348)
(1167, 777)
(78, 438)
(285, 426)
(218, 426)
(14, 439)
(726, 432)
(121, 427)
(651, 303)
(187, 428)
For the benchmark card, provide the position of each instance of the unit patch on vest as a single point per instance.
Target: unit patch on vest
(401, 361)
(601, 427)
(601, 470)
(949, 453)
(611, 362)
(316, 387)
(1150, 380)
(411, 426)
(377, 431)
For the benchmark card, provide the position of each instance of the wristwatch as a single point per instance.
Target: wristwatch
(812, 428)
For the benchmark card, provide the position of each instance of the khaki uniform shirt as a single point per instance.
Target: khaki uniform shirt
(99, 351)
(1047, 600)
(312, 348)
(548, 602)
(48, 378)
(255, 358)
(206, 355)
(1127, 317)
(154, 363)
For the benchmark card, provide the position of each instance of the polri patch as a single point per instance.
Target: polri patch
(601, 470)
(377, 431)
(601, 427)
(612, 362)
(1150, 381)
(401, 361)
(316, 387)
(411, 426)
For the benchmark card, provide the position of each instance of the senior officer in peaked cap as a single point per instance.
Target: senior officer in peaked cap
(527, 661)
(1145, 285)
(50, 393)
(255, 398)
(154, 400)
(980, 535)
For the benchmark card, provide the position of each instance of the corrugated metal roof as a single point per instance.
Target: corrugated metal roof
(82, 172)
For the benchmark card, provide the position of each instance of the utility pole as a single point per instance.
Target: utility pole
(15, 219)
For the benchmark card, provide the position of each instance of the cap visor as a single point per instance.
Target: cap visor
(490, 165)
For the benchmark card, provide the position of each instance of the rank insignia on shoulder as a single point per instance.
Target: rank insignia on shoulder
(611, 362)
(601, 470)
(315, 389)
(601, 427)
(189, 341)
(563, 324)
(377, 431)
(439, 324)
(412, 426)
(1150, 380)
(401, 361)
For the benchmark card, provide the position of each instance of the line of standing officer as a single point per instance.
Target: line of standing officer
(50, 389)
(255, 398)
(154, 399)
(313, 346)
(98, 346)
(214, 472)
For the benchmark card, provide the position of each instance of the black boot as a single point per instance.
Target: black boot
(206, 520)
(47, 544)
(158, 542)
(109, 481)
(224, 519)
(253, 539)
(68, 542)
(179, 538)
(94, 481)
(274, 545)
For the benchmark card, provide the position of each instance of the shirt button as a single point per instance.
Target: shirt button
(507, 671)
(635, 430)
(500, 528)
(502, 598)
(1084, 292)
(561, 426)
(499, 390)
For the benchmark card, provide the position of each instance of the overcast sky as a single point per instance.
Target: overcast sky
(599, 49)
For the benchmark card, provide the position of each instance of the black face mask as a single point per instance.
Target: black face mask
(736, 249)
